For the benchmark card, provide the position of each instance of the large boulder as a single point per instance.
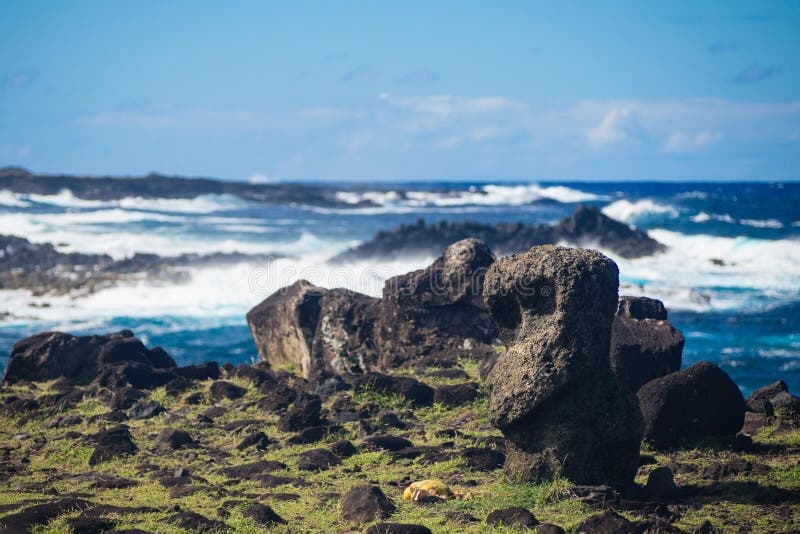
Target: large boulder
(437, 310)
(553, 394)
(283, 325)
(644, 345)
(320, 331)
(434, 312)
(80, 359)
(698, 402)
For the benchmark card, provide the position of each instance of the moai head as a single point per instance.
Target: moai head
(554, 307)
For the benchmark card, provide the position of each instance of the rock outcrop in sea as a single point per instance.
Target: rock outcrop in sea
(553, 394)
(588, 226)
(42, 269)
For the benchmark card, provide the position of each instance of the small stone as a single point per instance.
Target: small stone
(366, 503)
(515, 516)
(317, 460)
(172, 438)
(225, 390)
(661, 483)
(145, 410)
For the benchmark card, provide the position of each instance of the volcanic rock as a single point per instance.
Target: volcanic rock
(514, 517)
(52, 355)
(111, 443)
(697, 402)
(366, 503)
(437, 310)
(553, 394)
(643, 346)
(587, 226)
(304, 413)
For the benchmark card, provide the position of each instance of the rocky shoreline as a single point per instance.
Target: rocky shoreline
(588, 226)
(107, 188)
(477, 395)
(43, 270)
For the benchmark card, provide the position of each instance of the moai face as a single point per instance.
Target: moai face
(554, 307)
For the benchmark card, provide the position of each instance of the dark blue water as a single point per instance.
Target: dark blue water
(731, 276)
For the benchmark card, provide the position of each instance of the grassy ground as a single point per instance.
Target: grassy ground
(740, 502)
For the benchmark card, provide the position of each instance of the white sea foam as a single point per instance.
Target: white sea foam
(685, 272)
(755, 223)
(488, 195)
(627, 211)
(762, 223)
(12, 200)
(200, 204)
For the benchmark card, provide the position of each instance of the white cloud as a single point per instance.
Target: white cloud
(618, 124)
(681, 142)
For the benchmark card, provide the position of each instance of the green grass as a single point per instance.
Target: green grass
(316, 507)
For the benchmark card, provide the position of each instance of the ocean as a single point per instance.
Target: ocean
(730, 277)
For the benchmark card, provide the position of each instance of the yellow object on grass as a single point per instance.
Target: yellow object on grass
(427, 488)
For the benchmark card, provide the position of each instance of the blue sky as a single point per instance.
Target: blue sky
(403, 91)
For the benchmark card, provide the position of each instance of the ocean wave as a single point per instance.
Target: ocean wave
(627, 211)
(12, 200)
(762, 223)
(200, 204)
(699, 195)
(734, 272)
(487, 195)
(702, 217)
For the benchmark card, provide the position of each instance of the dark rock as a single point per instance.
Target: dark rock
(193, 399)
(272, 481)
(642, 347)
(137, 374)
(313, 434)
(363, 504)
(483, 458)
(146, 410)
(697, 402)
(254, 374)
(111, 443)
(52, 355)
(195, 522)
(259, 440)
(660, 483)
(547, 528)
(457, 394)
(343, 448)
(262, 515)
(172, 438)
(90, 525)
(588, 225)
(41, 514)
(277, 398)
(386, 442)
(437, 310)
(215, 412)
(304, 413)
(317, 460)
(515, 517)
(252, 469)
(203, 371)
(69, 420)
(330, 386)
(225, 390)
(705, 528)
(553, 394)
(641, 308)
(391, 419)
(125, 397)
(413, 390)
(397, 528)
(607, 522)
